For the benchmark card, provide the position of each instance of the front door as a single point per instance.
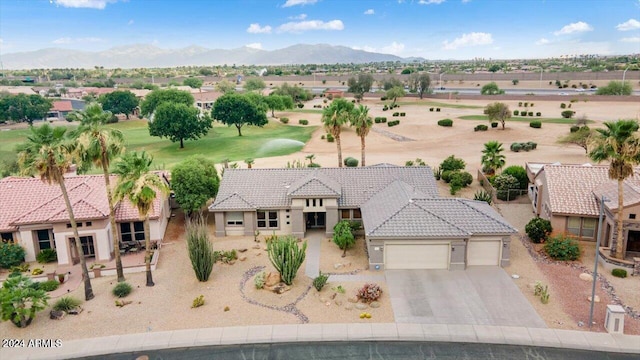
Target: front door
(88, 248)
(633, 241)
(316, 220)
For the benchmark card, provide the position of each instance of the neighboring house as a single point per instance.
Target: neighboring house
(406, 224)
(15, 90)
(33, 214)
(205, 100)
(60, 110)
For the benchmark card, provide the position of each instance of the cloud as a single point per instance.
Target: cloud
(130, 22)
(369, 12)
(631, 24)
(470, 39)
(542, 41)
(298, 17)
(257, 29)
(68, 40)
(393, 48)
(91, 4)
(254, 46)
(431, 2)
(577, 27)
(301, 26)
(631, 39)
(290, 3)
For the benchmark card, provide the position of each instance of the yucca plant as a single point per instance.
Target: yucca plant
(482, 195)
(66, 303)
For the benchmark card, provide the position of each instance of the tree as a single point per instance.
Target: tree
(119, 102)
(580, 137)
(395, 93)
(194, 181)
(615, 88)
(46, 154)
(360, 85)
(343, 236)
(24, 108)
(140, 187)
(492, 158)
(298, 94)
(98, 145)
(388, 84)
(179, 122)
(278, 102)
(20, 300)
(498, 111)
(333, 117)
(225, 86)
(258, 100)
(238, 110)
(254, 84)
(193, 82)
(420, 83)
(491, 89)
(157, 97)
(361, 120)
(618, 144)
(538, 230)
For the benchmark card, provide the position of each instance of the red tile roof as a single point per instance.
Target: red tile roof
(35, 202)
(62, 106)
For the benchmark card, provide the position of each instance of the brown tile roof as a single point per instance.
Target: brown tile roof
(63, 105)
(631, 191)
(35, 202)
(207, 96)
(570, 187)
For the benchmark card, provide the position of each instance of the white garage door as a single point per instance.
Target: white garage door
(483, 252)
(418, 256)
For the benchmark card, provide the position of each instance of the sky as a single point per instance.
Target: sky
(432, 29)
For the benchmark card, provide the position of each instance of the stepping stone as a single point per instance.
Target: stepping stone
(361, 306)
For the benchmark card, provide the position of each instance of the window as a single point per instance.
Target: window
(350, 214)
(235, 218)
(44, 239)
(314, 202)
(357, 214)
(573, 226)
(89, 223)
(582, 227)
(6, 237)
(321, 202)
(132, 231)
(307, 201)
(267, 219)
(632, 216)
(78, 224)
(588, 227)
(345, 214)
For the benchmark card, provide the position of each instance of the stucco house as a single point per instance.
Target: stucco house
(406, 224)
(33, 214)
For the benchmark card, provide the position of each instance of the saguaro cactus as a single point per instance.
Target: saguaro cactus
(286, 256)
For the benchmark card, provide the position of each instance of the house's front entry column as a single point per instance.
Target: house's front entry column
(249, 223)
(297, 222)
(332, 219)
(220, 224)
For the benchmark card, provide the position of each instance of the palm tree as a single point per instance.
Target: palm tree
(620, 145)
(361, 120)
(45, 153)
(492, 159)
(140, 187)
(97, 144)
(333, 117)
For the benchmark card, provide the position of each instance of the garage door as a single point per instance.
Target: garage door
(484, 252)
(418, 256)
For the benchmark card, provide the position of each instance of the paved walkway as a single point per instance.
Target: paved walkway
(313, 237)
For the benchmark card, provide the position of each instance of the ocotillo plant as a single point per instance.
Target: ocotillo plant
(286, 256)
(200, 248)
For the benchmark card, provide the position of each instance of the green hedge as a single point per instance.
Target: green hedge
(535, 124)
(621, 273)
(393, 123)
(481, 128)
(380, 119)
(445, 122)
(562, 248)
(284, 120)
(303, 122)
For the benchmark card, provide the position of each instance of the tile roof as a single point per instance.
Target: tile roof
(630, 190)
(268, 188)
(35, 202)
(64, 105)
(314, 184)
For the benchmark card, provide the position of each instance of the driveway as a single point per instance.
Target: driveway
(481, 295)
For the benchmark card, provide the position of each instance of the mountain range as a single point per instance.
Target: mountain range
(149, 56)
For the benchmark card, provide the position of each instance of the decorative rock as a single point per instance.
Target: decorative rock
(281, 288)
(333, 296)
(515, 276)
(258, 253)
(242, 250)
(56, 315)
(242, 258)
(338, 302)
(143, 357)
(586, 277)
(597, 298)
(272, 279)
(374, 304)
(352, 299)
(580, 324)
(348, 307)
(361, 306)
(328, 303)
(337, 266)
(257, 247)
(75, 311)
(231, 262)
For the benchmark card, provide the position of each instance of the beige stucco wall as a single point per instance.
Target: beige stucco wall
(26, 241)
(102, 242)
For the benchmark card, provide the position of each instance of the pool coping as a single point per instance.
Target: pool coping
(237, 335)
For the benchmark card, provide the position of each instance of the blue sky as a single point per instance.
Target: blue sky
(433, 29)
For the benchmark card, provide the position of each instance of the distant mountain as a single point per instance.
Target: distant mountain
(144, 55)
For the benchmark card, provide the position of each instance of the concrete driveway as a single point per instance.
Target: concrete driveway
(481, 295)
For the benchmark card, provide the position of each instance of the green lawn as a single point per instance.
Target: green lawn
(439, 104)
(525, 119)
(221, 143)
(306, 111)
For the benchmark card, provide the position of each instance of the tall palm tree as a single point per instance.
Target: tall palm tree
(47, 154)
(619, 144)
(361, 120)
(333, 117)
(98, 145)
(492, 158)
(139, 186)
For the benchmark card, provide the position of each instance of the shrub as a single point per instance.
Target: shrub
(621, 273)
(437, 109)
(20, 300)
(286, 256)
(503, 184)
(369, 293)
(385, 108)
(562, 248)
(445, 122)
(200, 249)
(531, 105)
(530, 113)
(350, 162)
(49, 285)
(66, 303)
(462, 177)
(516, 112)
(258, 281)
(519, 173)
(320, 281)
(574, 128)
(122, 289)
(303, 122)
(567, 114)
(47, 256)
(519, 103)
(516, 147)
(524, 113)
(300, 105)
(284, 120)
(526, 146)
(396, 114)
(37, 271)
(563, 106)
(393, 123)
(494, 124)
(225, 256)
(480, 128)
(482, 195)
(431, 109)
(526, 104)
(199, 301)
(447, 174)
(538, 114)
(402, 114)
(383, 98)
(379, 119)
(330, 138)
(538, 230)
(11, 255)
(532, 144)
(452, 163)
(535, 124)
(322, 137)
(343, 236)
(314, 165)
(438, 173)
